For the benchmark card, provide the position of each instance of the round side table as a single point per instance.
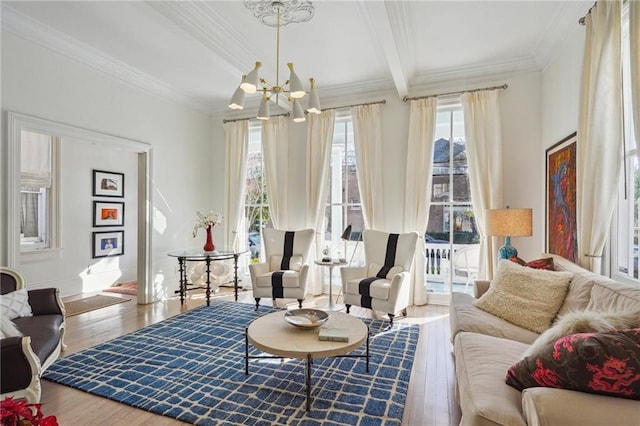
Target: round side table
(331, 306)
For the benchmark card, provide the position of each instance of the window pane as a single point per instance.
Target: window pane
(451, 224)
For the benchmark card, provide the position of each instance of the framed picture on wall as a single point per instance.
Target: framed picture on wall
(108, 184)
(560, 200)
(107, 213)
(107, 244)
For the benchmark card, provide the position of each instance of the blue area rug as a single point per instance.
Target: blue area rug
(191, 367)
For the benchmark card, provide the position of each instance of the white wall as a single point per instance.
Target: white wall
(41, 83)
(523, 158)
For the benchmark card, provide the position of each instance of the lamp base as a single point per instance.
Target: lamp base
(507, 250)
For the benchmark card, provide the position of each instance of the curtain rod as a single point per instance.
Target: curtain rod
(232, 120)
(581, 20)
(406, 98)
(383, 101)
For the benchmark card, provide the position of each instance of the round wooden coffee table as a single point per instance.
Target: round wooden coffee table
(272, 334)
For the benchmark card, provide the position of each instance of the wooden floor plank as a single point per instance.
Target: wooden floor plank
(430, 400)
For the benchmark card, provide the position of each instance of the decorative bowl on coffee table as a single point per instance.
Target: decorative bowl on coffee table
(306, 318)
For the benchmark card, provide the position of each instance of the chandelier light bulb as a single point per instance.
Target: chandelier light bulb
(250, 84)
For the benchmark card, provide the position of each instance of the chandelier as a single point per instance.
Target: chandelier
(277, 14)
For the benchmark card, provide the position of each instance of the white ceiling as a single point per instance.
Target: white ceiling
(195, 52)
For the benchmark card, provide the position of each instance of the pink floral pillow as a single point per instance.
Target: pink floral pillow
(544, 263)
(600, 363)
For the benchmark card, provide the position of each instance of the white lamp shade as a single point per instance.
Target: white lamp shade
(264, 111)
(296, 89)
(314, 103)
(237, 100)
(298, 114)
(509, 222)
(250, 83)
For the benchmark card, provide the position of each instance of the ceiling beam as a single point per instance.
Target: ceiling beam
(380, 26)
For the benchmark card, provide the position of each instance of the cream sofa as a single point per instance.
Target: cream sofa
(485, 346)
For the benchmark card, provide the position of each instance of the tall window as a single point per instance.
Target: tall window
(38, 191)
(256, 203)
(452, 223)
(343, 200)
(625, 248)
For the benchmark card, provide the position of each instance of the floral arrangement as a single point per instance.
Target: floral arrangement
(20, 413)
(206, 220)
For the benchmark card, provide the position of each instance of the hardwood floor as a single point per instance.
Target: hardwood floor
(430, 400)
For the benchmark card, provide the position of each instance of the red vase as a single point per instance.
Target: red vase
(209, 246)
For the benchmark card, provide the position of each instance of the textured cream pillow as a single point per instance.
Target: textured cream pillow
(529, 298)
(16, 304)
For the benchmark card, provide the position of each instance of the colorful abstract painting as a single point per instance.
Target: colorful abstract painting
(562, 238)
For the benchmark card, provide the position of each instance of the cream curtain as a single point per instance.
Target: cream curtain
(367, 129)
(236, 148)
(275, 154)
(634, 37)
(484, 156)
(422, 118)
(319, 140)
(600, 147)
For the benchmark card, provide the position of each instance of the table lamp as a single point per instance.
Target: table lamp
(346, 236)
(509, 223)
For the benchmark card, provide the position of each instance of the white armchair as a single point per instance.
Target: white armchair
(383, 284)
(284, 273)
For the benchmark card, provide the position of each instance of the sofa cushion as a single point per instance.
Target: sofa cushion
(16, 304)
(580, 287)
(481, 363)
(529, 298)
(613, 296)
(463, 316)
(379, 289)
(600, 363)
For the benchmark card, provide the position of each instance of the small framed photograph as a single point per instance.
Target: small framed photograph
(107, 244)
(107, 213)
(108, 184)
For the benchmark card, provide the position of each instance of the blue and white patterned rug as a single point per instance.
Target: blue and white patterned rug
(191, 367)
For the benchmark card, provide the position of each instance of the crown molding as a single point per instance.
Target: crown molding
(472, 74)
(202, 22)
(36, 32)
(555, 36)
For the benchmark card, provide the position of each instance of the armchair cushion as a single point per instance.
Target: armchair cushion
(290, 279)
(16, 304)
(279, 263)
(374, 269)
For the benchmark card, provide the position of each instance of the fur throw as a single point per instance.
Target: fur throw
(584, 322)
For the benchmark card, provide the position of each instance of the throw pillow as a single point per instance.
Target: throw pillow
(544, 263)
(529, 298)
(374, 268)
(8, 328)
(16, 304)
(584, 322)
(600, 363)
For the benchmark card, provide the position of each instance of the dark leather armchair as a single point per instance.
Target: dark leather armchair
(25, 358)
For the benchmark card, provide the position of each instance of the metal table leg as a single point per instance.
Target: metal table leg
(308, 382)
